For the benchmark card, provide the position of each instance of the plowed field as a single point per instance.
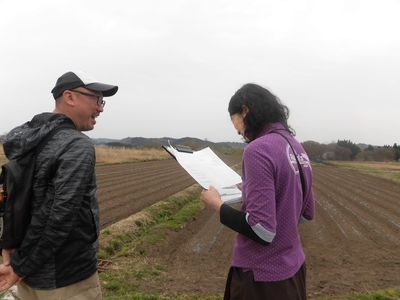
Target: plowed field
(353, 245)
(124, 189)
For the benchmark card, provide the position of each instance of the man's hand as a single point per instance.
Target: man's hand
(7, 277)
(6, 254)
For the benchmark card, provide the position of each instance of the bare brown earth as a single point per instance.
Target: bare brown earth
(351, 246)
(124, 189)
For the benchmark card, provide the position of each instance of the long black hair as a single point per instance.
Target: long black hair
(264, 108)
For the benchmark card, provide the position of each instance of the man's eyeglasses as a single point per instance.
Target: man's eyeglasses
(100, 101)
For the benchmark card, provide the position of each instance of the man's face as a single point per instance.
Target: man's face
(88, 107)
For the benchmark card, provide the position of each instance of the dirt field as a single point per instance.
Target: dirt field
(352, 246)
(124, 189)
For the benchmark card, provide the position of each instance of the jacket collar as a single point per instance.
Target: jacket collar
(271, 127)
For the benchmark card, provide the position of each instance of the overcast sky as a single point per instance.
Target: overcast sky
(335, 64)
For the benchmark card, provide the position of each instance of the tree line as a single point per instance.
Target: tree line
(347, 150)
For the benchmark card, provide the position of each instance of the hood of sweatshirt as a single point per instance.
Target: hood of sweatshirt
(27, 136)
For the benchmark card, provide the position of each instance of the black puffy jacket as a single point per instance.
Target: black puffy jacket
(60, 246)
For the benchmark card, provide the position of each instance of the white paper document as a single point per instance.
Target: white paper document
(208, 169)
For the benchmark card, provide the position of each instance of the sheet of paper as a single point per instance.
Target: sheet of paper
(170, 149)
(230, 194)
(207, 168)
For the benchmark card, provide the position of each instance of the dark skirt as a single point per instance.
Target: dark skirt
(241, 285)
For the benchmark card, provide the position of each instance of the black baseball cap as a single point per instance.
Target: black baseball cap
(72, 80)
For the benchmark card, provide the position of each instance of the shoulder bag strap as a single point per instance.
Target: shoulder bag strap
(302, 178)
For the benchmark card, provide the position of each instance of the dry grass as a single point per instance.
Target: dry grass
(113, 155)
(370, 165)
(388, 170)
(2, 156)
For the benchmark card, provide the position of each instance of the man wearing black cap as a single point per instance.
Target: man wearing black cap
(57, 258)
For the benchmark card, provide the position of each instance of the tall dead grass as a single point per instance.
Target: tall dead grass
(370, 165)
(113, 155)
(388, 170)
(2, 156)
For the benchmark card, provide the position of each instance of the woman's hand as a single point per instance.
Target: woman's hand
(211, 198)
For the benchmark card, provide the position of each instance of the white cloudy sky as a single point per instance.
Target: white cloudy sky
(335, 64)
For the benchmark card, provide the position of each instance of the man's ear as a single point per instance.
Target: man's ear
(68, 98)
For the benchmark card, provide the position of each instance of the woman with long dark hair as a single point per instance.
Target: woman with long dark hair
(268, 260)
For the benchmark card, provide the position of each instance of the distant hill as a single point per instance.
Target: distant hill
(141, 142)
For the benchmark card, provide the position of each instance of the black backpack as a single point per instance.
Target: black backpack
(16, 181)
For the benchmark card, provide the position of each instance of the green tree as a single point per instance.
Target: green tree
(396, 149)
(354, 149)
(369, 148)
